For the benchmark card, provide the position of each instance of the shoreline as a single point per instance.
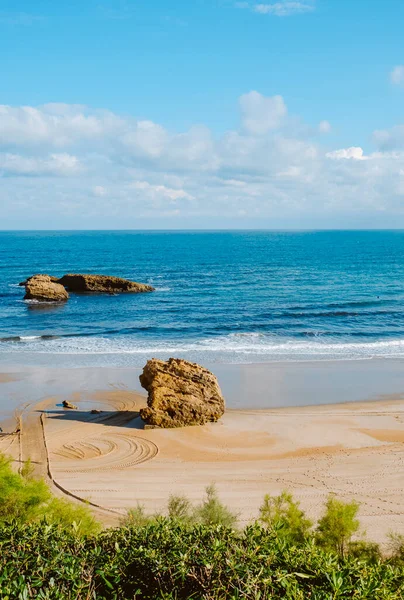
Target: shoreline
(354, 449)
(247, 386)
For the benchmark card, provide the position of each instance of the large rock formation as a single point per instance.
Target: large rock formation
(180, 393)
(42, 288)
(53, 279)
(102, 284)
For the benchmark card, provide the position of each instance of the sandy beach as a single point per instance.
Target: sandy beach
(355, 450)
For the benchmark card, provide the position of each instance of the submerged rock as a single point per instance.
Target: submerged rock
(180, 393)
(44, 289)
(102, 284)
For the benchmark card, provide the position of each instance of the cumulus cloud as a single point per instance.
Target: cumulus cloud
(77, 163)
(389, 139)
(54, 164)
(283, 8)
(261, 114)
(397, 75)
(354, 152)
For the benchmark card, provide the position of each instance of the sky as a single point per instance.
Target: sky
(207, 114)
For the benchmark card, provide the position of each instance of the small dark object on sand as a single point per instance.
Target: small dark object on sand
(67, 404)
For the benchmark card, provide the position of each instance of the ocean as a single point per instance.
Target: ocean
(221, 297)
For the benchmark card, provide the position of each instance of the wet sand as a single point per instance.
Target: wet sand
(355, 450)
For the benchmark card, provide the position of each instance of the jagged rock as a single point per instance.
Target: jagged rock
(102, 284)
(67, 404)
(96, 411)
(53, 279)
(180, 393)
(42, 288)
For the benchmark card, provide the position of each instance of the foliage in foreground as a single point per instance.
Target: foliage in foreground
(168, 559)
(52, 549)
(26, 499)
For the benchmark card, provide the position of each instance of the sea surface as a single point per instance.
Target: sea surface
(221, 297)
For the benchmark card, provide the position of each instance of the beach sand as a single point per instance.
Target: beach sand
(355, 450)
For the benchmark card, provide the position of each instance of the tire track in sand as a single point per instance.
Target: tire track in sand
(115, 451)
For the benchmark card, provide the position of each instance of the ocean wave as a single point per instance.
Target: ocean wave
(235, 347)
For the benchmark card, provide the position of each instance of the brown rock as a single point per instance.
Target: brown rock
(102, 284)
(53, 279)
(180, 393)
(67, 404)
(42, 288)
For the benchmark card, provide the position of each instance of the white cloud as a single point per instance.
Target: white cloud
(272, 166)
(324, 127)
(397, 75)
(260, 114)
(157, 191)
(54, 164)
(354, 152)
(389, 139)
(284, 8)
(99, 191)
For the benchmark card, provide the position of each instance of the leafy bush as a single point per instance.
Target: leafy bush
(170, 560)
(194, 553)
(337, 526)
(282, 514)
(213, 512)
(25, 499)
(180, 508)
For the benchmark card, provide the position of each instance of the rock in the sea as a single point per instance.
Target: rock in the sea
(102, 284)
(67, 404)
(53, 279)
(180, 393)
(42, 288)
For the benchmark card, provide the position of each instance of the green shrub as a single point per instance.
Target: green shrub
(180, 508)
(137, 517)
(337, 526)
(25, 499)
(21, 497)
(283, 515)
(396, 546)
(213, 512)
(168, 559)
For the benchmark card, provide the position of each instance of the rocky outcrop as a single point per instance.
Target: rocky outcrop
(180, 393)
(102, 284)
(53, 279)
(42, 288)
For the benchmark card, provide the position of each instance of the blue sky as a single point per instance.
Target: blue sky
(201, 113)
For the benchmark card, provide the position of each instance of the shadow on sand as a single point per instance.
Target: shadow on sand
(124, 418)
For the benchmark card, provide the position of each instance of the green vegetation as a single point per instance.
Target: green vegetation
(281, 514)
(26, 500)
(51, 549)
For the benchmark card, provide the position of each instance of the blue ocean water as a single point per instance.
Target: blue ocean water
(229, 297)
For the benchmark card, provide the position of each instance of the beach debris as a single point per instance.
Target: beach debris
(42, 288)
(67, 404)
(180, 393)
(102, 284)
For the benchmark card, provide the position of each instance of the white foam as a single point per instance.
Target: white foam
(240, 347)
